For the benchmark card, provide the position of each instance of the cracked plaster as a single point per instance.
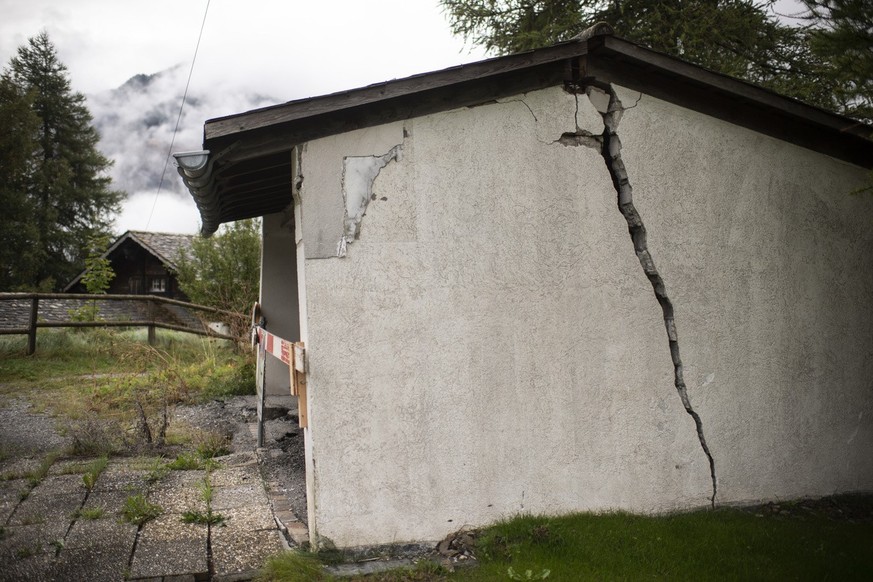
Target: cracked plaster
(511, 317)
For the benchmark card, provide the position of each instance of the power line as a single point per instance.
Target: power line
(179, 118)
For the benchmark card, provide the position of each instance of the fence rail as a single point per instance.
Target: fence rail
(24, 313)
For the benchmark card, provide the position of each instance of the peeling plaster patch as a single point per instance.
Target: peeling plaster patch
(611, 110)
(359, 173)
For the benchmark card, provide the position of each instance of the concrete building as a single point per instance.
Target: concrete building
(585, 277)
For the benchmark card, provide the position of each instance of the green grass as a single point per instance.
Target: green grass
(81, 374)
(726, 544)
(292, 566)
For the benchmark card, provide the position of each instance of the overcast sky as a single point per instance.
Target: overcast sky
(279, 49)
(253, 53)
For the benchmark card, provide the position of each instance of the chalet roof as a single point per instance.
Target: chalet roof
(164, 246)
(245, 171)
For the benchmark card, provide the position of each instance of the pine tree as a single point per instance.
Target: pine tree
(741, 38)
(18, 262)
(842, 36)
(66, 187)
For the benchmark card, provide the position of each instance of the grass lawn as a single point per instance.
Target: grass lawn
(80, 372)
(102, 384)
(726, 544)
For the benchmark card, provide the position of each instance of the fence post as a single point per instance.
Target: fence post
(152, 339)
(31, 330)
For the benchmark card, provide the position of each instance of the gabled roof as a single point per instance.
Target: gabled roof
(166, 247)
(245, 171)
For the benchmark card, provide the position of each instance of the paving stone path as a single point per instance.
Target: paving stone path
(59, 530)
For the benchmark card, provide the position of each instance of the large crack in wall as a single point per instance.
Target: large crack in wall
(607, 103)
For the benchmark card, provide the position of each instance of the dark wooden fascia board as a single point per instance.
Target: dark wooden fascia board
(722, 97)
(280, 138)
(380, 92)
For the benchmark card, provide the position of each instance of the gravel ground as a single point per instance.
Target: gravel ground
(26, 434)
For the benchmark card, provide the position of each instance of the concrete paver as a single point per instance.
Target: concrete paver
(10, 496)
(238, 554)
(107, 531)
(53, 512)
(22, 541)
(46, 537)
(111, 502)
(169, 547)
(102, 563)
(239, 496)
(32, 569)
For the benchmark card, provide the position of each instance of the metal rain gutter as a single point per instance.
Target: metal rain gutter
(196, 169)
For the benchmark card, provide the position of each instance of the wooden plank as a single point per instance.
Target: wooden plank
(292, 376)
(302, 406)
(300, 357)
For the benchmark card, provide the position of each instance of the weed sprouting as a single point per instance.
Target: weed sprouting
(90, 513)
(36, 476)
(203, 518)
(192, 462)
(138, 510)
(208, 517)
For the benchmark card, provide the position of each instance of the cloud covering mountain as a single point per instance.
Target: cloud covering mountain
(136, 122)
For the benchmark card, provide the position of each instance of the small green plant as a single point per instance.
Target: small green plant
(26, 552)
(90, 514)
(138, 510)
(211, 444)
(192, 462)
(98, 275)
(157, 470)
(207, 517)
(36, 476)
(93, 471)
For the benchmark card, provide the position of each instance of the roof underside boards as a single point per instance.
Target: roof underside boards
(252, 171)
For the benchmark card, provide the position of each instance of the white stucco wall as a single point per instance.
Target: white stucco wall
(489, 345)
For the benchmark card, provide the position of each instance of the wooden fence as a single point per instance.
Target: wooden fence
(25, 313)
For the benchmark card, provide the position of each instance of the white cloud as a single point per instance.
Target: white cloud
(278, 48)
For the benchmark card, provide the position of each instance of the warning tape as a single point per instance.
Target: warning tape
(276, 346)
